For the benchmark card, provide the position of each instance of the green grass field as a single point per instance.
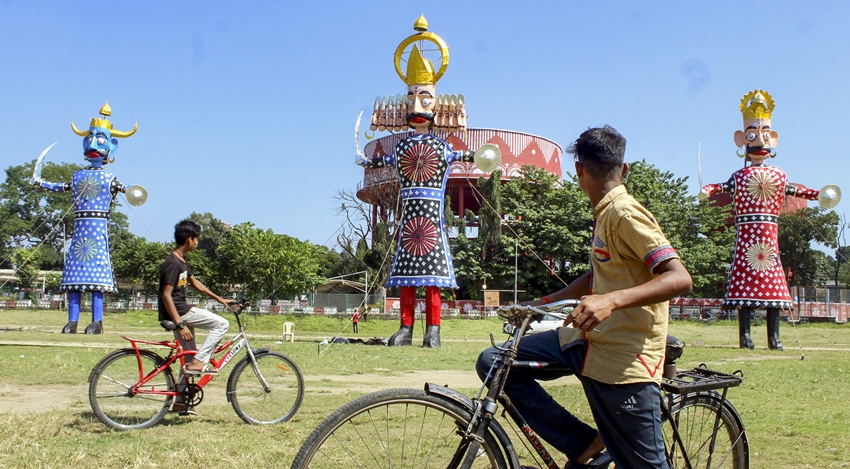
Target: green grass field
(795, 410)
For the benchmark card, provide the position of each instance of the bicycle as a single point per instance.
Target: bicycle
(133, 388)
(440, 427)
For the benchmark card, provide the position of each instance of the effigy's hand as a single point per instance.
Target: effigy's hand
(703, 195)
(36, 181)
(361, 160)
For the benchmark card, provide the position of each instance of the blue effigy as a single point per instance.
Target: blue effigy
(88, 265)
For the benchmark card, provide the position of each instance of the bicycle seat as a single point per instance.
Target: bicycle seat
(168, 325)
(673, 350)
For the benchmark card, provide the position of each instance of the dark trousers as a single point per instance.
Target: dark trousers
(628, 415)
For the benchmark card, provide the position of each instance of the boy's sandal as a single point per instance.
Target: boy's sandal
(600, 461)
(206, 370)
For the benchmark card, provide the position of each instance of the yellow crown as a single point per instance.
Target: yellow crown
(757, 104)
(420, 70)
(105, 111)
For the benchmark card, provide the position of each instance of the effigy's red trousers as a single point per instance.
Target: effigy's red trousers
(432, 305)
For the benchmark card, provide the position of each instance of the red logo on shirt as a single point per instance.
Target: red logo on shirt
(601, 256)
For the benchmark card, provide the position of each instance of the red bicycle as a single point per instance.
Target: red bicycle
(133, 388)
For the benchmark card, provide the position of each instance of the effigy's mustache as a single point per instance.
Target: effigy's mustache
(429, 116)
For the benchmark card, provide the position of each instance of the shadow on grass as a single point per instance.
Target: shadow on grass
(87, 422)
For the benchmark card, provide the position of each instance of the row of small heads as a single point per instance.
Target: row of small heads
(390, 113)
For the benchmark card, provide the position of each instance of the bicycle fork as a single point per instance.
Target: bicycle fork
(253, 359)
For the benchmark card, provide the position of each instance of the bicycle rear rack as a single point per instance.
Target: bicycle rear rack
(699, 379)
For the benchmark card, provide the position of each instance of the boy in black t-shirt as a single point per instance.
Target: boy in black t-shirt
(174, 278)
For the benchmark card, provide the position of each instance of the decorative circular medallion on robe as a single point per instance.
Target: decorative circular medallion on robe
(761, 256)
(90, 186)
(85, 249)
(420, 236)
(419, 162)
(762, 186)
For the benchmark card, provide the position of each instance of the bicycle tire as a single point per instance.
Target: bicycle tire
(398, 428)
(695, 415)
(252, 402)
(110, 381)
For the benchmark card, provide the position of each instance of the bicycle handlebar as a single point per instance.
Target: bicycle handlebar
(514, 312)
(241, 305)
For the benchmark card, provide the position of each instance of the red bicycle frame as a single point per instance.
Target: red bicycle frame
(181, 355)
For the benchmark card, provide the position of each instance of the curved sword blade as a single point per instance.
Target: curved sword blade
(36, 170)
(357, 136)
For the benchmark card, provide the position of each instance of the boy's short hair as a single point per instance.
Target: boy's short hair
(184, 230)
(601, 150)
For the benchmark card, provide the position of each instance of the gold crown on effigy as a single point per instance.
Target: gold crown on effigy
(105, 111)
(420, 70)
(757, 104)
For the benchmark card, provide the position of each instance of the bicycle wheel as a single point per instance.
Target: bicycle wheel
(250, 399)
(109, 390)
(695, 416)
(398, 428)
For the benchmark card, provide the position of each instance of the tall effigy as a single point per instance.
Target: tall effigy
(756, 277)
(88, 265)
(422, 161)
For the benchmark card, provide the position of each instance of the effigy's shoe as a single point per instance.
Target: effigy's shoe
(432, 337)
(773, 342)
(70, 328)
(404, 336)
(96, 327)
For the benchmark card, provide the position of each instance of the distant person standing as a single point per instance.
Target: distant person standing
(355, 319)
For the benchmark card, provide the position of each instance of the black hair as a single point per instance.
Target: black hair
(184, 230)
(601, 150)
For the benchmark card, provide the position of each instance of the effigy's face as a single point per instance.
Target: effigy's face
(421, 100)
(98, 145)
(758, 138)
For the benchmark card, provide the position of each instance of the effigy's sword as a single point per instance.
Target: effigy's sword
(36, 171)
(357, 136)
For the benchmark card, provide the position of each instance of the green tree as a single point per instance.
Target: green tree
(490, 215)
(137, 261)
(26, 262)
(357, 231)
(467, 266)
(552, 220)
(696, 230)
(52, 280)
(843, 261)
(214, 233)
(30, 215)
(797, 231)
(267, 264)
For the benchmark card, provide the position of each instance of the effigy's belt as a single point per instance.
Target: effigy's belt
(756, 218)
(422, 193)
(91, 214)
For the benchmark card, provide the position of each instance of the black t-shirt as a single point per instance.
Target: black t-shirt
(174, 272)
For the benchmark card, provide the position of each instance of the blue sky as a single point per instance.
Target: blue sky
(246, 109)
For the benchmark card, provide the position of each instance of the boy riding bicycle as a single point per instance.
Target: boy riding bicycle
(174, 278)
(616, 345)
